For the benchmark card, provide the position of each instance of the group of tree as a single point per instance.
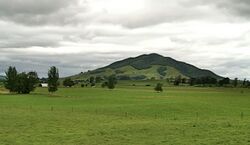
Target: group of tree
(205, 81)
(246, 83)
(110, 82)
(24, 83)
(68, 82)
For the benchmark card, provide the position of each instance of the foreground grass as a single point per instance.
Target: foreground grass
(134, 116)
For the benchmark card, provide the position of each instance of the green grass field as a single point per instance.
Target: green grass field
(126, 116)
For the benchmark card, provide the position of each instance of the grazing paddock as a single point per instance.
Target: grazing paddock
(126, 116)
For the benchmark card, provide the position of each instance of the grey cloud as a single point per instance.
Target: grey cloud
(58, 24)
(33, 12)
(14, 7)
(162, 11)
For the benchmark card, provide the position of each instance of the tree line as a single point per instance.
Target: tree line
(210, 81)
(24, 83)
(108, 82)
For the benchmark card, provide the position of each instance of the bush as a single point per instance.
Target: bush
(105, 84)
(68, 82)
(111, 82)
(158, 87)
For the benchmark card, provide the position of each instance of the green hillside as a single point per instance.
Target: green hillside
(147, 67)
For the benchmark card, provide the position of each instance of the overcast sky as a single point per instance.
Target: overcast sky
(80, 35)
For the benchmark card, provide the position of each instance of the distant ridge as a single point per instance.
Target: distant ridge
(149, 66)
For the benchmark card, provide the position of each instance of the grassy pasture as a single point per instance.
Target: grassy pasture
(126, 116)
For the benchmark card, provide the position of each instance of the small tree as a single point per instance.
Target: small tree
(111, 82)
(158, 87)
(92, 81)
(53, 76)
(177, 80)
(26, 82)
(32, 80)
(104, 84)
(235, 82)
(98, 79)
(244, 83)
(68, 82)
(11, 79)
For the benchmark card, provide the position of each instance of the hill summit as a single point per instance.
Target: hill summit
(149, 66)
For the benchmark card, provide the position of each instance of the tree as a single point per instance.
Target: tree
(92, 81)
(244, 83)
(158, 87)
(68, 82)
(25, 83)
(98, 79)
(235, 82)
(248, 83)
(53, 76)
(192, 81)
(111, 82)
(104, 84)
(11, 78)
(32, 80)
(22, 83)
(224, 81)
(177, 80)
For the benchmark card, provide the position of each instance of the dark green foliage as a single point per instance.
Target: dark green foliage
(119, 71)
(68, 82)
(203, 81)
(139, 77)
(53, 76)
(146, 61)
(20, 83)
(235, 82)
(11, 79)
(92, 80)
(192, 81)
(104, 84)
(158, 87)
(246, 83)
(111, 82)
(33, 80)
(123, 77)
(161, 71)
(98, 79)
(224, 82)
(97, 71)
(177, 81)
(26, 82)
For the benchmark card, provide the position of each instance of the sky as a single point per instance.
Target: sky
(81, 35)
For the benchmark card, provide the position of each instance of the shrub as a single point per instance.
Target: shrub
(158, 87)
